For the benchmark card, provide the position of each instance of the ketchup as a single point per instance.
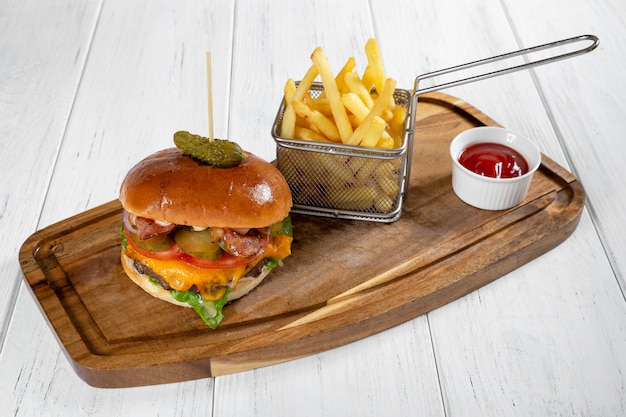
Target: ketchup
(493, 160)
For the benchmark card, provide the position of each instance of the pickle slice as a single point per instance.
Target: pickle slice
(154, 244)
(219, 152)
(197, 244)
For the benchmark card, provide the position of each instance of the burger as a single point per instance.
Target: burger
(200, 234)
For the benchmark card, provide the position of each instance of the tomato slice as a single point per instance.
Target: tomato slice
(225, 261)
(174, 252)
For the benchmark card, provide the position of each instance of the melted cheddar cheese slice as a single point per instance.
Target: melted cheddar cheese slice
(211, 283)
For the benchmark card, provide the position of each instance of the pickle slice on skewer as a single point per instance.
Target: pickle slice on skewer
(218, 152)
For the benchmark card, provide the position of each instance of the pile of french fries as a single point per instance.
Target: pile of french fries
(352, 109)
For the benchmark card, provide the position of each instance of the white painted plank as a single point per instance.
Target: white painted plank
(391, 373)
(548, 339)
(39, 73)
(585, 100)
(144, 79)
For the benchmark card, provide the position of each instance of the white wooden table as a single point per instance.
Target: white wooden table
(88, 87)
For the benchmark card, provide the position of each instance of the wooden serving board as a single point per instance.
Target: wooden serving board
(345, 280)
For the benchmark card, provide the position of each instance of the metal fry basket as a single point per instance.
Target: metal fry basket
(360, 183)
(345, 181)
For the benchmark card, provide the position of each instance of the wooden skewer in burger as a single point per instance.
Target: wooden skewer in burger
(203, 223)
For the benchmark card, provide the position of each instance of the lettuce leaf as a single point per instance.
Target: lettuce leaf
(272, 263)
(209, 311)
(283, 227)
(124, 242)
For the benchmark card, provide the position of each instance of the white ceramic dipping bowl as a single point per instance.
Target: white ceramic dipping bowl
(489, 193)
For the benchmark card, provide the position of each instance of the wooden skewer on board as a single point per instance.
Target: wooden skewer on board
(210, 95)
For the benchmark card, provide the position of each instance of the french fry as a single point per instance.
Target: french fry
(362, 198)
(356, 86)
(323, 123)
(359, 113)
(374, 133)
(369, 78)
(313, 128)
(363, 168)
(289, 122)
(353, 121)
(348, 67)
(330, 87)
(289, 90)
(289, 116)
(396, 125)
(375, 61)
(385, 142)
(356, 106)
(320, 104)
(388, 185)
(308, 134)
(376, 110)
(384, 203)
(389, 169)
(305, 83)
(387, 114)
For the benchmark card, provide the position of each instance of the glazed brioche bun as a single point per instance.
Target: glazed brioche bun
(174, 189)
(171, 186)
(244, 286)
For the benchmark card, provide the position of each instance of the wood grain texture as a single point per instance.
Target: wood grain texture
(38, 81)
(309, 305)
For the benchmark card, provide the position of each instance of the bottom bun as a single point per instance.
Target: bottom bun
(244, 286)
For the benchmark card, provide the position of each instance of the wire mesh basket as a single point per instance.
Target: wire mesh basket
(345, 181)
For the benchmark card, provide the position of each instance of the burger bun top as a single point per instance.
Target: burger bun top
(171, 186)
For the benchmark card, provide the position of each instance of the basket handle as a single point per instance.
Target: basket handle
(522, 52)
(528, 64)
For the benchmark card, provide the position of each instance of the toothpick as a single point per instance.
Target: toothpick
(210, 98)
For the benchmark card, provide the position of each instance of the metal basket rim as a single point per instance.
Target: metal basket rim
(340, 149)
